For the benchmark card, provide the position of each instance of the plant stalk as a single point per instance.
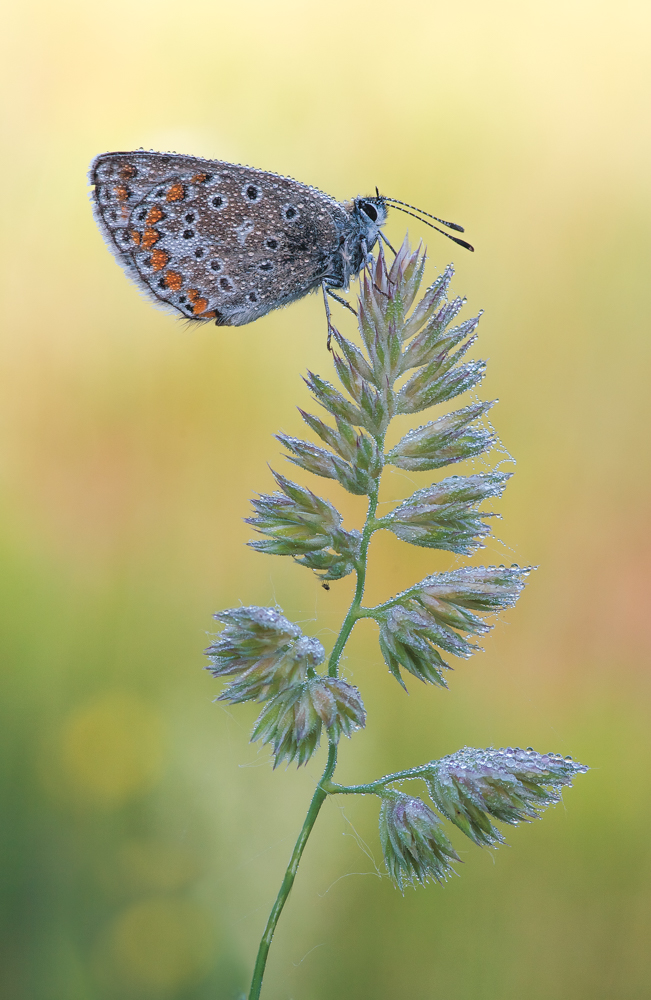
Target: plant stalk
(318, 799)
(320, 794)
(354, 609)
(372, 787)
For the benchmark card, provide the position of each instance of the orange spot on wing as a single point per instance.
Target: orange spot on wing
(199, 304)
(198, 179)
(150, 237)
(176, 192)
(159, 259)
(121, 192)
(173, 279)
(128, 170)
(135, 236)
(154, 215)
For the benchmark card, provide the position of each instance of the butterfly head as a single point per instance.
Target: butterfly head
(371, 214)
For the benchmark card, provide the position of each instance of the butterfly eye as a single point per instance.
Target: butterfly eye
(369, 210)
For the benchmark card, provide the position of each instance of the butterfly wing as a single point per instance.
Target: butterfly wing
(215, 240)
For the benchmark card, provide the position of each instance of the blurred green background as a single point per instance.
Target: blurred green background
(143, 838)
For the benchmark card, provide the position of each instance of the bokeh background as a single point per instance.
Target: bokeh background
(143, 838)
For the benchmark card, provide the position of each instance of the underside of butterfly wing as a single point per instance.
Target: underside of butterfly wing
(214, 240)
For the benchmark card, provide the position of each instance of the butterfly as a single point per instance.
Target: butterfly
(218, 241)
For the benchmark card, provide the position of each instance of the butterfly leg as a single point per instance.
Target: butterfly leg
(385, 240)
(327, 311)
(342, 302)
(368, 261)
(328, 292)
(367, 258)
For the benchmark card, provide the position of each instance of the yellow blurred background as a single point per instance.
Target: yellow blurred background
(144, 839)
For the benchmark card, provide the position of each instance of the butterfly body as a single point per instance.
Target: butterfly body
(218, 241)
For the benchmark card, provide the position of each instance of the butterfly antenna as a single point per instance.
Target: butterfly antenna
(455, 239)
(450, 225)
